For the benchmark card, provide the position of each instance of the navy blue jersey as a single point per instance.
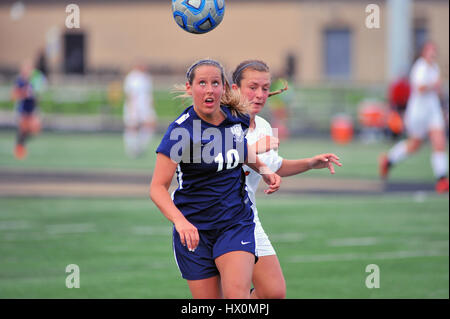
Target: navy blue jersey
(28, 104)
(211, 183)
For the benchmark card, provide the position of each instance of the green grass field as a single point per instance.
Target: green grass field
(104, 152)
(123, 246)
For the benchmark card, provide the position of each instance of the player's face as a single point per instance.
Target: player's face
(26, 70)
(206, 90)
(255, 86)
(429, 52)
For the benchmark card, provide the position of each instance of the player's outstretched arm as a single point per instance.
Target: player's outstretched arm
(162, 177)
(294, 167)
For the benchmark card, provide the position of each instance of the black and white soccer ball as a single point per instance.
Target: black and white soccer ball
(198, 16)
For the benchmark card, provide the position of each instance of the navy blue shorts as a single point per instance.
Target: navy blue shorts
(200, 264)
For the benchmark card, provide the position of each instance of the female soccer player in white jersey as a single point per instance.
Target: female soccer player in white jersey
(252, 78)
(213, 235)
(423, 116)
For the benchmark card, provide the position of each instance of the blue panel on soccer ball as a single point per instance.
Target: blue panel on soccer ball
(195, 6)
(179, 15)
(198, 16)
(203, 22)
(220, 6)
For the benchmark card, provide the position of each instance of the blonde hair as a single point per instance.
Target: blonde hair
(230, 98)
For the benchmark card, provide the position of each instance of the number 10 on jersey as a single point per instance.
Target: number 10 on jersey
(232, 160)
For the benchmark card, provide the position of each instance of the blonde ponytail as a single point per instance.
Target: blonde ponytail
(234, 100)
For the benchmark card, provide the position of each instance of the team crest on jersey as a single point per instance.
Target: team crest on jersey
(238, 133)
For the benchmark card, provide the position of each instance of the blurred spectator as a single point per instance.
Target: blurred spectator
(139, 116)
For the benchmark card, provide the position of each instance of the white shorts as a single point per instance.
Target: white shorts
(420, 118)
(263, 245)
(141, 113)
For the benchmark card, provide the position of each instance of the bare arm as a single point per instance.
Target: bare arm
(294, 167)
(162, 177)
(271, 179)
(430, 87)
(298, 166)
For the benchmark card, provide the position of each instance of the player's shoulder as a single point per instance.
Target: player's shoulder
(184, 119)
(262, 122)
(420, 64)
(20, 81)
(262, 125)
(239, 118)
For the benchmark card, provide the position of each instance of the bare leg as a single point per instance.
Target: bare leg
(439, 158)
(208, 288)
(268, 279)
(131, 140)
(236, 270)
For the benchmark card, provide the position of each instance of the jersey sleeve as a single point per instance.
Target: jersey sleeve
(20, 83)
(276, 162)
(418, 74)
(271, 158)
(245, 121)
(175, 144)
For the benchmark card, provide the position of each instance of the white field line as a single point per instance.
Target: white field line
(287, 237)
(28, 236)
(349, 242)
(70, 228)
(14, 225)
(152, 230)
(367, 256)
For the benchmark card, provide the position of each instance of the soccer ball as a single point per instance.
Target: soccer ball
(198, 16)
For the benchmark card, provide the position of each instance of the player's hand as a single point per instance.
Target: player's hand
(437, 86)
(267, 143)
(271, 179)
(188, 234)
(325, 161)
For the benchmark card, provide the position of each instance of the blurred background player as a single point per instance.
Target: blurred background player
(423, 116)
(253, 80)
(138, 114)
(29, 82)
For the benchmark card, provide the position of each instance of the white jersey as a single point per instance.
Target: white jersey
(273, 161)
(139, 101)
(271, 158)
(423, 110)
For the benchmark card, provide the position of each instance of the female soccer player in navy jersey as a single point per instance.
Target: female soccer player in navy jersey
(213, 236)
(252, 79)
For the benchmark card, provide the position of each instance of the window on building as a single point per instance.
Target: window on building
(74, 53)
(337, 53)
